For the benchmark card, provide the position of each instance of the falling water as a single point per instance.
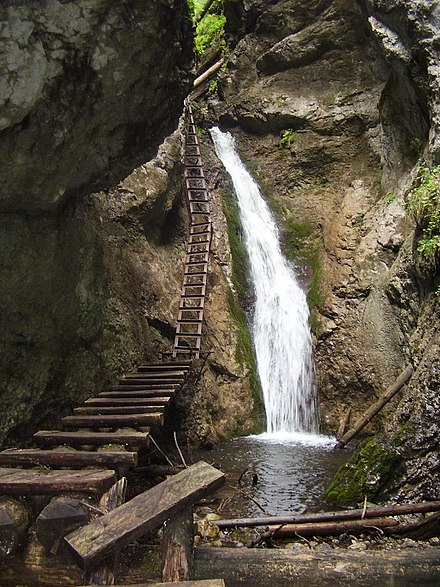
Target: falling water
(280, 322)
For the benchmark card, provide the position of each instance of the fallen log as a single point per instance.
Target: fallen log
(376, 407)
(332, 528)
(242, 567)
(208, 73)
(178, 556)
(396, 510)
(421, 530)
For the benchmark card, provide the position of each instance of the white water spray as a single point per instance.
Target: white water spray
(280, 323)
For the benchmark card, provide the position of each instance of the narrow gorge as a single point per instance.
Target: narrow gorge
(334, 109)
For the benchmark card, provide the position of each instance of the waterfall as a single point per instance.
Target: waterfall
(280, 321)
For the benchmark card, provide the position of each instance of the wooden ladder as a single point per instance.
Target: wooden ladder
(188, 337)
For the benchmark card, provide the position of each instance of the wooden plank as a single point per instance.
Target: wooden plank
(146, 376)
(113, 420)
(32, 457)
(202, 583)
(161, 381)
(143, 513)
(124, 437)
(41, 482)
(123, 400)
(182, 365)
(136, 409)
(148, 390)
(136, 393)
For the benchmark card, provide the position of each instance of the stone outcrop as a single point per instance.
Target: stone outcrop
(89, 90)
(354, 87)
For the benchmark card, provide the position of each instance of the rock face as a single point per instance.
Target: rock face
(88, 281)
(353, 89)
(89, 89)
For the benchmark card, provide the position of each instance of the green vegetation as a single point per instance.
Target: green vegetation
(364, 473)
(299, 244)
(424, 204)
(210, 30)
(287, 138)
(244, 352)
(390, 198)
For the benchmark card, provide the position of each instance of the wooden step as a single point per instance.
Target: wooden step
(155, 402)
(136, 409)
(142, 514)
(156, 382)
(84, 438)
(43, 482)
(181, 366)
(147, 376)
(113, 420)
(72, 459)
(192, 150)
(136, 392)
(136, 385)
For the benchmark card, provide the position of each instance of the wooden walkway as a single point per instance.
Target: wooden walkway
(188, 337)
(102, 439)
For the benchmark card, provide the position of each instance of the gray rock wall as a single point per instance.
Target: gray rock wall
(356, 85)
(89, 279)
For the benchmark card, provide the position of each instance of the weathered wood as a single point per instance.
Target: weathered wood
(395, 510)
(96, 410)
(61, 516)
(84, 438)
(127, 401)
(134, 391)
(208, 73)
(332, 528)
(181, 365)
(202, 583)
(376, 407)
(344, 424)
(420, 530)
(146, 376)
(178, 542)
(42, 482)
(241, 567)
(113, 420)
(115, 497)
(143, 513)
(14, 523)
(153, 381)
(74, 459)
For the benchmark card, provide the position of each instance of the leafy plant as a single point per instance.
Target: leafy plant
(287, 137)
(211, 29)
(390, 198)
(424, 204)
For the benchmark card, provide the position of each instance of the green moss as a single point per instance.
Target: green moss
(244, 352)
(287, 138)
(364, 474)
(210, 31)
(424, 204)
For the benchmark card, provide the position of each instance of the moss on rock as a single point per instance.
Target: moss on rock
(364, 474)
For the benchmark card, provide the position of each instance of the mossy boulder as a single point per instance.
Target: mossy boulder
(364, 474)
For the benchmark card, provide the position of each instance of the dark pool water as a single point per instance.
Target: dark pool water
(292, 473)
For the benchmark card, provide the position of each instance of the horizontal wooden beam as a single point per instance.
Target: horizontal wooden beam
(143, 513)
(113, 420)
(42, 482)
(32, 457)
(84, 438)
